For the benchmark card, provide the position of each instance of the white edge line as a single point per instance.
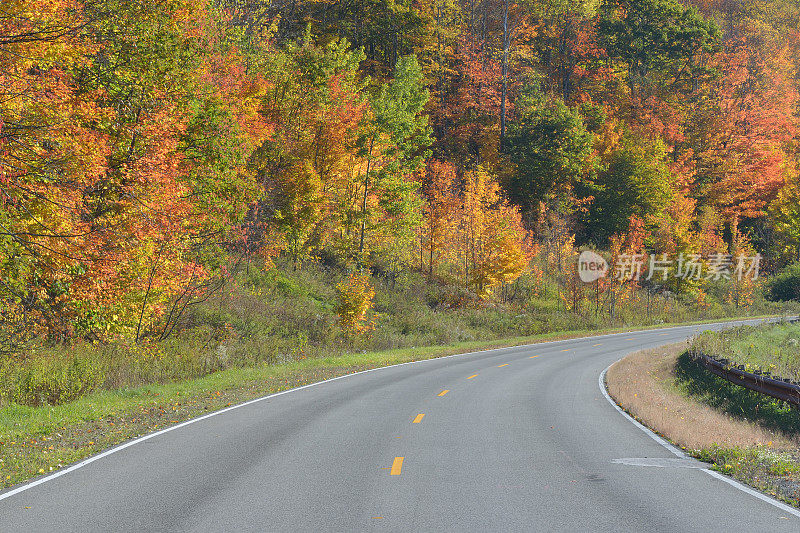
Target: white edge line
(650, 433)
(672, 449)
(93, 458)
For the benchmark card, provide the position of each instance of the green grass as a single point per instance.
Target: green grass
(696, 383)
(776, 472)
(773, 348)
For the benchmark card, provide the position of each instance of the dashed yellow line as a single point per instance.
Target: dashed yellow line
(397, 466)
(533, 357)
(473, 376)
(419, 418)
(662, 334)
(443, 392)
(596, 345)
(630, 339)
(566, 349)
(501, 366)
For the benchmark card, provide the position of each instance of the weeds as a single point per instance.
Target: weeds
(740, 433)
(766, 348)
(283, 315)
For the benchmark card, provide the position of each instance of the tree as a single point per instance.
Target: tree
(492, 235)
(393, 146)
(124, 165)
(741, 148)
(550, 150)
(660, 38)
(354, 301)
(566, 44)
(440, 211)
(306, 167)
(512, 20)
(785, 216)
(636, 183)
(466, 121)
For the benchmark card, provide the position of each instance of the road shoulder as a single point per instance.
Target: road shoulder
(656, 388)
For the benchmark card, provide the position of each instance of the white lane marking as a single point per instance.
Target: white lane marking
(121, 447)
(752, 492)
(650, 433)
(672, 449)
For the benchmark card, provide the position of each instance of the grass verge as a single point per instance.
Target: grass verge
(746, 435)
(768, 348)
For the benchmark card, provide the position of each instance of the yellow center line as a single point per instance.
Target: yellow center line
(533, 357)
(397, 466)
(662, 334)
(443, 392)
(566, 349)
(419, 418)
(501, 366)
(630, 339)
(472, 376)
(596, 345)
(377, 518)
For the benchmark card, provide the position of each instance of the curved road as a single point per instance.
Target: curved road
(523, 440)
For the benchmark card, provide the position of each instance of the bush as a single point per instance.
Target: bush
(785, 285)
(48, 380)
(354, 302)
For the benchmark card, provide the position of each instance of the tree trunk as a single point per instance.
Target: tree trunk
(504, 71)
(364, 201)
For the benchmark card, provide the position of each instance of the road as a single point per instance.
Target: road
(523, 440)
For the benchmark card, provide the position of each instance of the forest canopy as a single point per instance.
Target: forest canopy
(149, 147)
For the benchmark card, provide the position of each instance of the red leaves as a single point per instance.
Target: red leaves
(105, 194)
(756, 103)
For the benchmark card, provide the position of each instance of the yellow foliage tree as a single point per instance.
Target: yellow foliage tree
(492, 235)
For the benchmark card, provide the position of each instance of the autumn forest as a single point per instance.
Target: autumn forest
(163, 159)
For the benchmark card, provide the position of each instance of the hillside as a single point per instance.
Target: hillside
(231, 182)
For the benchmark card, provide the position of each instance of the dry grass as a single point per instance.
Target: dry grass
(644, 383)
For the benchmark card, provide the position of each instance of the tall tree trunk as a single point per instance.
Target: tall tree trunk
(364, 201)
(504, 71)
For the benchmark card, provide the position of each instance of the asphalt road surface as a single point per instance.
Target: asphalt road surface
(523, 439)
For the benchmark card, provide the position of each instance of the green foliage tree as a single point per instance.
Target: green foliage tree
(636, 182)
(786, 284)
(394, 144)
(661, 38)
(785, 219)
(550, 149)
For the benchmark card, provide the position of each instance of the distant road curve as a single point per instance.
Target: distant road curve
(514, 439)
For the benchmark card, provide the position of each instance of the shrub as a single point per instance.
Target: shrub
(354, 303)
(49, 380)
(785, 285)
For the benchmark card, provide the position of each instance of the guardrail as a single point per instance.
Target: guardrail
(763, 382)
